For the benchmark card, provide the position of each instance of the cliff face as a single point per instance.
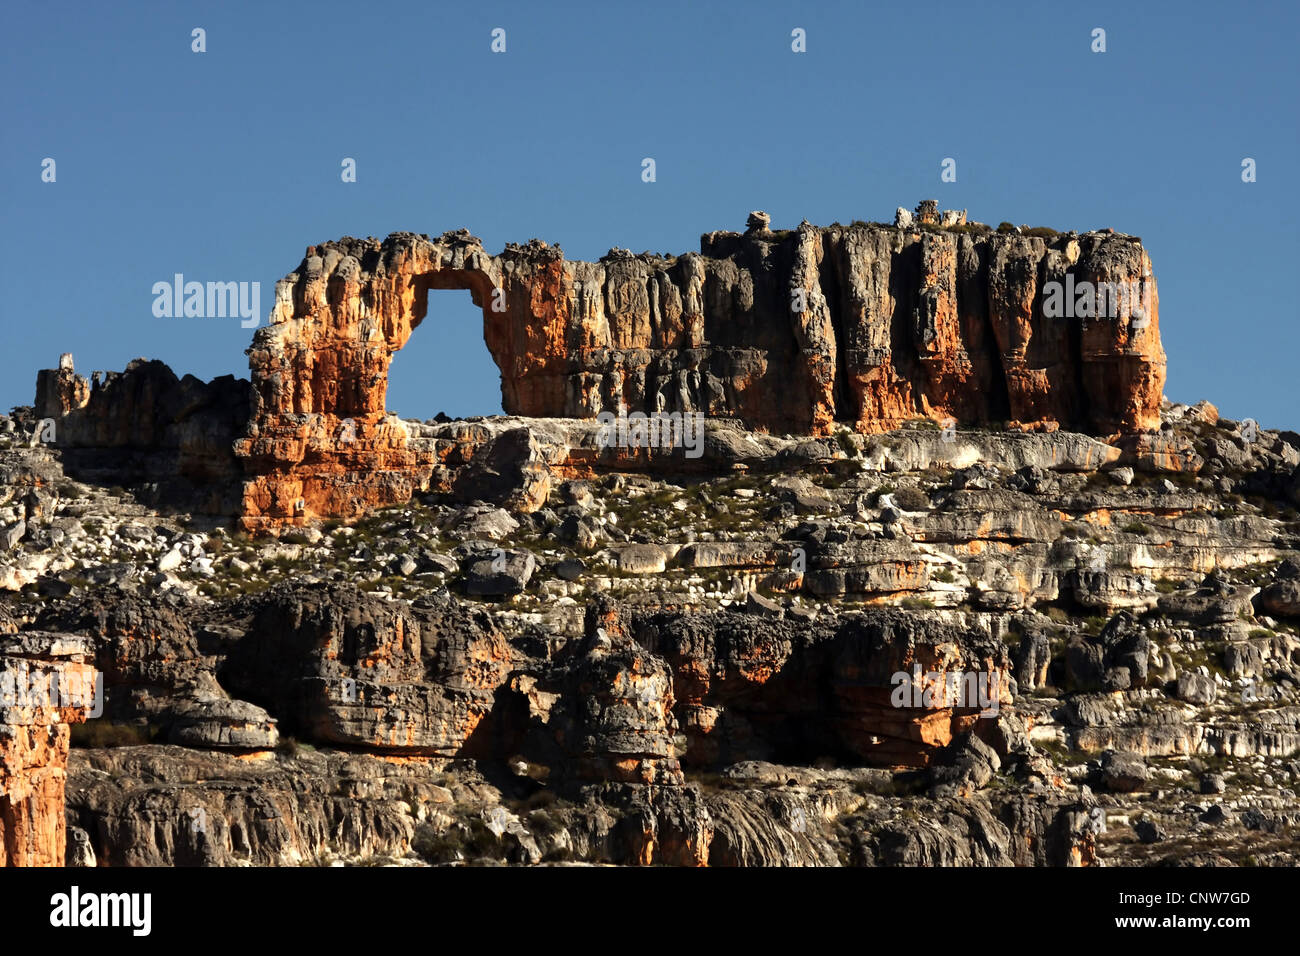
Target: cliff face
(865, 325)
(145, 425)
(45, 685)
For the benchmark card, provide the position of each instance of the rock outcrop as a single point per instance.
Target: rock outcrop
(144, 426)
(794, 331)
(46, 684)
(568, 652)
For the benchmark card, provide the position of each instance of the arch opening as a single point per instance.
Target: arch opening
(445, 365)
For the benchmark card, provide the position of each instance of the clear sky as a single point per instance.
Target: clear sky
(225, 165)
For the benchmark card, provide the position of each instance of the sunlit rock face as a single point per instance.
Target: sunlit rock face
(46, 685)
(793, 331)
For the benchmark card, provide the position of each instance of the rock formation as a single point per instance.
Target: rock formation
(145, 425)
(46, 685)
(526, 643)
(790, 332)
(563, 652)
(799, 332)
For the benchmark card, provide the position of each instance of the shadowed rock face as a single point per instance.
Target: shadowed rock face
(790, 332)
(754, 688)
(354, 671)
(145, 426)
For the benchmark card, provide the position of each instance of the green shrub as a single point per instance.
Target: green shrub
(435, 847)
(468, 836)
(912, 499)
(882, 490)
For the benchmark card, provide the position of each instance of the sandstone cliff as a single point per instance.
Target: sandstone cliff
(145, 425)
(865, 325)
(45, 686)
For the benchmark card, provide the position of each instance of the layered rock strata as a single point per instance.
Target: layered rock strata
(46, 685)
(795, 331)
(667, 666)
(145, 426)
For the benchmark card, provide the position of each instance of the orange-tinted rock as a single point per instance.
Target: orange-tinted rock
(791, 332)
(60, 391)
(748, 687)
(45, 685)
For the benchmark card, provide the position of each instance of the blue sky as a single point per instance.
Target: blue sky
(225, 165)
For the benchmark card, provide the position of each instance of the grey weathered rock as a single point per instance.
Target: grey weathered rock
(12, 534)
(1282, 598)
(500, 574)
(507, 471)
(80, 851)
(1195, 689)
(1215, 815)
(1032, 656)
(1148, 832)
(641, 558)
(1124, 773)
(973, 765)
(570, 569)
(755, 603)
(210, 722)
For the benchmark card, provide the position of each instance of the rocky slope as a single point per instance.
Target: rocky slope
(567, 653)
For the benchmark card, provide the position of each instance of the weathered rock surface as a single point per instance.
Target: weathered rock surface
(708, 678)
(46, 685)
(869, 325)
(145, 426)
(950, 643)
(339, 666)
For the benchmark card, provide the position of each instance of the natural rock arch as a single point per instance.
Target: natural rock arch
(321, 441)
(791, 332)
